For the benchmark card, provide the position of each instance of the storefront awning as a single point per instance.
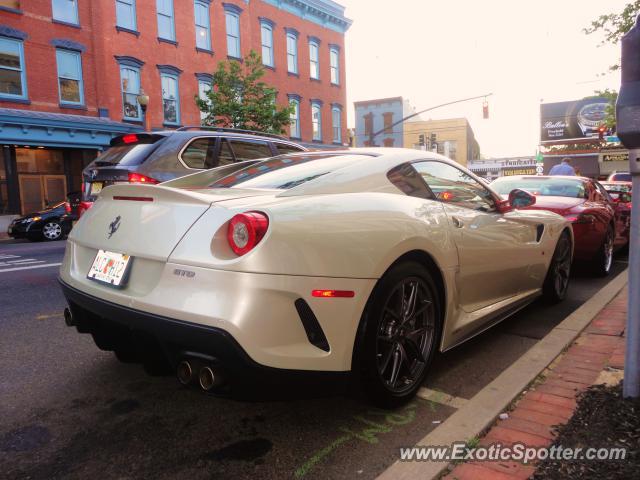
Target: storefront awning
(26, 127)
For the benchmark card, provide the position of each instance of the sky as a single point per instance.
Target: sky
(524, 52)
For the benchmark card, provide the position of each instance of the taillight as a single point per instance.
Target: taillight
(333, 293)
(67, 207)
(131, 138)
(246, 230)
(139, 178)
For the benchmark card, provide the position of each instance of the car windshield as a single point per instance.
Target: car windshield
(542, 186)
(282, 172)
(620, 177)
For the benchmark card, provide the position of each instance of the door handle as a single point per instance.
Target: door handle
(457, 222)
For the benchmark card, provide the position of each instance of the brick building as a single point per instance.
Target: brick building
(71, 72)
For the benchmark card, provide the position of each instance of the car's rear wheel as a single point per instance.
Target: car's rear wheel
(52, 231)
(556, 283)
(401, 333)
(604, 258)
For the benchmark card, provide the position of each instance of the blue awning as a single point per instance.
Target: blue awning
(33, 128)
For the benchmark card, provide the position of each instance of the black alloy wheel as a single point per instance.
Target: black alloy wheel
(401, 336)
(556, 283)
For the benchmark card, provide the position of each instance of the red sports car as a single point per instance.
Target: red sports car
(620, 193)
(582, 201)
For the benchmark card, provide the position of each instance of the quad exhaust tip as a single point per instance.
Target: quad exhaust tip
(185, 372)
(209, 379)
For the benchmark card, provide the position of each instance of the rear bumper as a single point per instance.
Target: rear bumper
(114, 325)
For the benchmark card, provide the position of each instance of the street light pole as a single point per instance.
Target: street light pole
(143, 101)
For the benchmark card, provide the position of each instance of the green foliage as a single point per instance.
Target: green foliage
(615, 25)
(239, 99)
(612, 97)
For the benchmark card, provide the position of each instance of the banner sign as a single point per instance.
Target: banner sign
(615, 157)
(572, 120)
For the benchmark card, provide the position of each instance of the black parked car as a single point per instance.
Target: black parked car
(161, 156)
(49, 224)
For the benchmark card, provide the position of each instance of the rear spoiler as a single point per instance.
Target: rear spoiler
(135, 138)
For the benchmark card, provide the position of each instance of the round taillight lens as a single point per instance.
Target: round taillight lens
(246, 230)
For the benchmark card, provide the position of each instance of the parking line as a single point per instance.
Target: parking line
(30, 267)
(441, 398)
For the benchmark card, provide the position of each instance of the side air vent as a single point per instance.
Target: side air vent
(311, 326)
(539, 232)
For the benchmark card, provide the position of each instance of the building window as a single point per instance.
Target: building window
(130, 78)
(314, 59)
(316, 121)
(336, 124)
(292, 52)
(232, 19)
(166, 27)
(66, 11)
(204, 86)
(70, 77)
(266, 32)
(294, 126)
(388, 121)
(13, 82)
(170, 99)
(203, 26)
(334, 60)
(126, 14)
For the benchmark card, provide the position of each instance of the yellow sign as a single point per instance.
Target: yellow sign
(519, 171)
(615, 157)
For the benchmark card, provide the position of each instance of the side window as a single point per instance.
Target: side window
(225, 157)
(451, 185)
(198, 153)
(283, 148)
(407, 179)
(245, 150)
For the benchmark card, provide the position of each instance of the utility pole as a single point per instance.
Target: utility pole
(373, 135)
(628, 129)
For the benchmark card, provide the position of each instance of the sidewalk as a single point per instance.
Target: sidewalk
(595, 356)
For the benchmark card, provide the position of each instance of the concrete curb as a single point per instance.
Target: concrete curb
(481, 411)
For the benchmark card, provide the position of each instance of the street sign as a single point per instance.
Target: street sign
(539, 157)
(612, 139)
(539, 169)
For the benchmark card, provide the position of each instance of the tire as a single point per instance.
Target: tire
(52, 231)
(556, 283)
(603, 260)
(393, 358)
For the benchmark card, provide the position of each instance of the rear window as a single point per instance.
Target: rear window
(129, 150)
(620, 177)
(541, 186)
(285, 172)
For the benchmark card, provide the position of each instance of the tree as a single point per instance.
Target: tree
(615, 25)
(239, 99)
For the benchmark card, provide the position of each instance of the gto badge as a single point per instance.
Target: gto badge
(114, 226)
(94, 174)
(184, 273)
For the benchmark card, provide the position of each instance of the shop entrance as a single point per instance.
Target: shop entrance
(41, 191)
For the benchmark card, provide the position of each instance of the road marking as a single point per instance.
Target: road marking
(45, 317)
(441, 398)
(30, 267)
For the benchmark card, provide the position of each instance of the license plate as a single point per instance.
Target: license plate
(96, 188)
(110, 268)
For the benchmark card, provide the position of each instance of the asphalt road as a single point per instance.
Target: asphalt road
(69, 410)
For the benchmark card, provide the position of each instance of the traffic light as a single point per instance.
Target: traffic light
(421, 139)
(433, 138)
(602, 129)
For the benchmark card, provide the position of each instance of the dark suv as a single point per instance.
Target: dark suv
(160, 156)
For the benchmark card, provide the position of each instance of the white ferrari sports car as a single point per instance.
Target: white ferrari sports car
(341, 265)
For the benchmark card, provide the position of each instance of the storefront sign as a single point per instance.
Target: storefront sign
(519, 171)
(572, 120)
(615, 157)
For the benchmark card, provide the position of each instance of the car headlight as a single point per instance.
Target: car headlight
(32, 219)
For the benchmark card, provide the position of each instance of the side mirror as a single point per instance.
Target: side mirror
(521, 198)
